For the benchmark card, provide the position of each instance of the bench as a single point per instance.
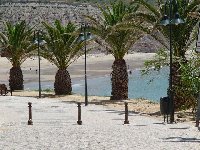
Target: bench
(4, 91)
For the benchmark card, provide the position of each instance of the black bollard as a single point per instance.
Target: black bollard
(126, 113)
(197, 123)
(79, 122)
(11, 92)
(30, 122)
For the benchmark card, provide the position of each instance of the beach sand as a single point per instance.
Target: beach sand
(98, 65)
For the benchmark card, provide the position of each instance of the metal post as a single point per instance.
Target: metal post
(86, 93)
(176, 21)
(170, 75)
(38, 42)
(197, 122)
(30, 122)
(79, 122)
(126, 113)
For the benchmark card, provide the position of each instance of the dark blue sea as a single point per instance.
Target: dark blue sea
(152, 86)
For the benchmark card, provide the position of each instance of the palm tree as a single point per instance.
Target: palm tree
(181, 36)
(16, 46)
(117, 36)
(62, 48)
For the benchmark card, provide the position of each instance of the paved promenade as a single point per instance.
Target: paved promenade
(55, 128)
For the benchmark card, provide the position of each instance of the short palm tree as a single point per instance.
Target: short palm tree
(62, 48)
(17, 46)
(182, 35)
(117, 36)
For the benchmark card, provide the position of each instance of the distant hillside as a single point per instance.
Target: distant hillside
(35, 13)
(47, 1)
(57, 1)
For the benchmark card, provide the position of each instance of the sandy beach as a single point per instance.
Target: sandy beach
(55, 128)
(97, 65)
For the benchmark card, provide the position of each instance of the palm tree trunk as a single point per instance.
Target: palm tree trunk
(16, 79)
(62, 84)
(119, 80)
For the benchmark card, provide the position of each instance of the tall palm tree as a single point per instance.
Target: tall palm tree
(16, 46)
(181, 36)
(117, 36)
(62, 48)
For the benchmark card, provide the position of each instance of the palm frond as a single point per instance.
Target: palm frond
(113, 30)
(16, 41)
(62, 45)
(192, 6)
(148, 6)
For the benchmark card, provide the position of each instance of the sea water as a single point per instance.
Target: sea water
(151, 86)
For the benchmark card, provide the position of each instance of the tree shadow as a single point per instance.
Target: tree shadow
(152, 114)
(181, 139)
(141, 125)
(118, 119)
(179, 128)
(160, 123)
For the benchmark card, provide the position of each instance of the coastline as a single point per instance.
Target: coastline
(98, 65)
